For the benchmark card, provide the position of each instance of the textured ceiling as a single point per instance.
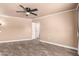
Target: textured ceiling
(44, 8)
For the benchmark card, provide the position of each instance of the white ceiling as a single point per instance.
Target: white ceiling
(44, 8)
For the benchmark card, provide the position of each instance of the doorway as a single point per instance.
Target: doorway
(35, 30)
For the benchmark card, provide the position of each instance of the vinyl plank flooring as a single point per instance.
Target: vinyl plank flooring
(34, 48)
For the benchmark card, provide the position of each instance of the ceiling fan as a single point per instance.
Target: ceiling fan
(28, 10)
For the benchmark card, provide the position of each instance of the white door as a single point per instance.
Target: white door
(35, 30)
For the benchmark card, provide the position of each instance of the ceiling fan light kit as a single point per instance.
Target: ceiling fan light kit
(28, 10)
(27, 13)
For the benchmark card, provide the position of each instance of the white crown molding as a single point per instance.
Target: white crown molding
(1, 15)
(54, 14)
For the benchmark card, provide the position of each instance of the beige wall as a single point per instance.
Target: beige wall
(14, 28)
(59, 28)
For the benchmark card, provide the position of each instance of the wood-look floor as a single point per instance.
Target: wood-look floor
(33, 48)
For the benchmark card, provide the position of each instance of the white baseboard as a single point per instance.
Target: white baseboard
(15, 40)
(40, 41)
(59, 45)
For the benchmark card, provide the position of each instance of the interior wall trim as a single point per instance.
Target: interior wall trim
(1, 15)
(54, 14)
(59, 45)
(15, 40)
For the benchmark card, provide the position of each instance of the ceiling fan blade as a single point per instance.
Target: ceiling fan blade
(22, 7)
(21, 11)
(34, 14)
(34, 10)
